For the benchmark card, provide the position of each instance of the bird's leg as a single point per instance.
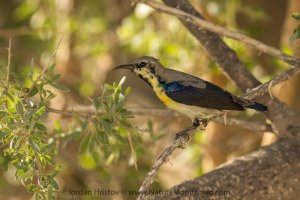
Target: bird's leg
(196, 122)
(202, 123)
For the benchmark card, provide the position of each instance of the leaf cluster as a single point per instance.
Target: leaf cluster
(296, 33)
(29, 147)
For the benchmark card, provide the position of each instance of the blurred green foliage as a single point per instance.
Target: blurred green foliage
(296, 33)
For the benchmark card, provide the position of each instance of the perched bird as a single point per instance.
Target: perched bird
(187, 94)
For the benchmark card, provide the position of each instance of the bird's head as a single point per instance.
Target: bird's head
(145, 64)
(146, 67)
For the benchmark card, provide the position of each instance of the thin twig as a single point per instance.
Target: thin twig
(180, 142)
(250, 125)
(264, 88)
(203, 24)
(254, 125)
(45, 68)
(68, 113)
(2, 83)
(8, 63)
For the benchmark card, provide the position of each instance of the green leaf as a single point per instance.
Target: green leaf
(96, 104)
(116, 96)
(295, 35)
(120, 138)
(296, 16)
(128, 90)
(126, 113)
(41, 127)
(19, 173)
(20, 108)
(84, 144)
(28, 115)
(125, 123)
(41, 110)
(91, 145)
(17, 78)
(6, 161)
(2, 114)
(51, 69)
(57, 126)
(60, 87)
(119, 106)
(106, 107)
(50, 192)
(34, 145)
(55, 77)
(33, 92)
(106, 125)
(9, 96)
(2, 135)
(103, 138)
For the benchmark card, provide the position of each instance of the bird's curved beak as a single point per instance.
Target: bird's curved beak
(125, 66)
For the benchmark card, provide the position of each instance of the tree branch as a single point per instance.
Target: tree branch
(250, 125)
(222, 31)
(265, 88)
(72, 114)
(246, 124)
(180, 142)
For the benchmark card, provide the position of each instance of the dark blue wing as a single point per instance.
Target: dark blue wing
(211, 96)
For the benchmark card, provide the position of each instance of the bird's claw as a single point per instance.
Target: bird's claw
(200, 122)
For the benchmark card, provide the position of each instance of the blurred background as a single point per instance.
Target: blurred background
(99, 35)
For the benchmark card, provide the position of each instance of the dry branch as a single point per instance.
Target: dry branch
(265, 88)
(71, 113)
(76, 111)
(180, 142)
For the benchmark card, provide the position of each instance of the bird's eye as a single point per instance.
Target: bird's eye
(142, 64)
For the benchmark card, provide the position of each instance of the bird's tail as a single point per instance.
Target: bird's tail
(250, 104)
(257, 106)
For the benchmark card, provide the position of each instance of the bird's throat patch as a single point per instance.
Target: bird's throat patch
(153, 81)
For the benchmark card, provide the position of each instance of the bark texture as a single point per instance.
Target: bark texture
(273, 172)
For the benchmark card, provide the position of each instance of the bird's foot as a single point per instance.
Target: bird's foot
(196, 123)
(200, 122)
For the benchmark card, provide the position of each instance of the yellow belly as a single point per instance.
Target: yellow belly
(191, 111)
